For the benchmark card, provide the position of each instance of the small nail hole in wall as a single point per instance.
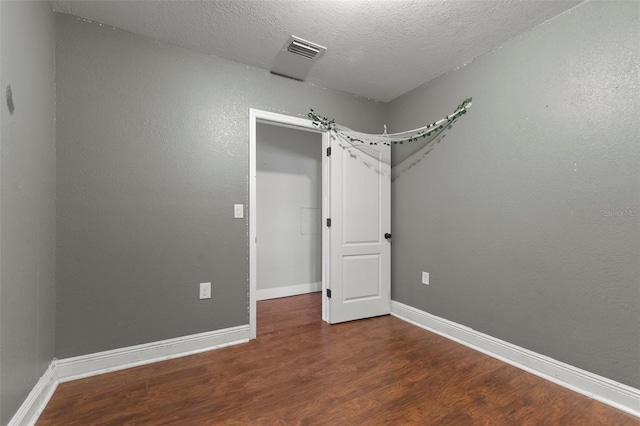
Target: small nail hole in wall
(10, 100)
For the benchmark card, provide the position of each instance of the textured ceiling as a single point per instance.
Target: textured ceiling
(378, 49)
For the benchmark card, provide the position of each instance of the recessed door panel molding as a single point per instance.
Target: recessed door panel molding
(362, 187)
(362, 272)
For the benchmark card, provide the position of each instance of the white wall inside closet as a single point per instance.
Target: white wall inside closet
(289, 201)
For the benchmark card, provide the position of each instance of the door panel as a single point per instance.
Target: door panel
(362, 273)
(361, 197)
(360, 212)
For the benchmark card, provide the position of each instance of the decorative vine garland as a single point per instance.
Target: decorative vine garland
(330, 125)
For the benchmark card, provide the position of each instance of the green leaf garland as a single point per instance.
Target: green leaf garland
(330, 125)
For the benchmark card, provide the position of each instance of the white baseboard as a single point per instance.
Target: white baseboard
(32, 407)
(292, 290)
(133, 356)
(612, 393)
(67, 369)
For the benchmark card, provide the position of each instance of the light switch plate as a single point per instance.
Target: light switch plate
(238, 211)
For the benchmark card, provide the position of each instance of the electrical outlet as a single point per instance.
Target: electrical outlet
(425, 278)
(205, 290)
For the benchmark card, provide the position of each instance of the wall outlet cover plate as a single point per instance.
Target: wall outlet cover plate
(205, 290)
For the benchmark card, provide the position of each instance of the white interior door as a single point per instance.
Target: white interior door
(359, 207)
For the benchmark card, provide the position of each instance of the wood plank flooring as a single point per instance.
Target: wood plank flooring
(299, 370)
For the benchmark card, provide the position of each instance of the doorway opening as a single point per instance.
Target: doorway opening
(286, 208)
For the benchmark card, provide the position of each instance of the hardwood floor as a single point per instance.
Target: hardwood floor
(302, 371)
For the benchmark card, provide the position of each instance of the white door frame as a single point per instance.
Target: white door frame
(258, 116)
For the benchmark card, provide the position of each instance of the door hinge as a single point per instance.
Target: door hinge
(329, 223)
(329, 293)
(329, 152)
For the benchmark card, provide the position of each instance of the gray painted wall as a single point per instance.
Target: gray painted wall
(152, 147)
(527, 213)
(289, 201)
(27, 200)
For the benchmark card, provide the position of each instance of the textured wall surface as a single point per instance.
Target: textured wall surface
(152, 147)
(527, 213)
(27, 200)
(289, 197)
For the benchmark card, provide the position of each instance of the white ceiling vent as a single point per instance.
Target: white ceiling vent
(296, 57)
